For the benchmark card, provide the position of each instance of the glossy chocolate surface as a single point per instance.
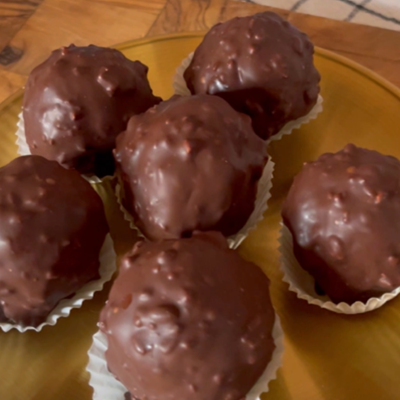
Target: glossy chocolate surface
(344, 213)
(78, 101)
(190, 163)
(262, 65)
(188, 319)
(52, 226)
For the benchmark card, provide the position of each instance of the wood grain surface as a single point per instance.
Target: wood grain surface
(30, 29)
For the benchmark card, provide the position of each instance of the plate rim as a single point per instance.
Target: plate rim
(328, 54)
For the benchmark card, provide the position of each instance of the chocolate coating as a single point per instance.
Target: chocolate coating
(191, 163)
(188, 319)
(78, 101)
(344, 213)
(262, 65)
(52, 226)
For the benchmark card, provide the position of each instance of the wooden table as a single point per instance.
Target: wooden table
(30, 29)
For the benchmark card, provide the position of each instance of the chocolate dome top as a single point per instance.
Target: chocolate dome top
(52, 226)
(190, 163)
(77, 102)
(344, 213)
(188, 319)
(262, 65)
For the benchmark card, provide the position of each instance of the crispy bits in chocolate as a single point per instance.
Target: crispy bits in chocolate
(78, 101)
(262, 65)
(344, 214)
(52, 227)
(190, 163)
(188, 319)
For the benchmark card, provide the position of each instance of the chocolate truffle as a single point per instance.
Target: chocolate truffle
(188, 319)
(52, 227)
(190, 163)
(262, 65)
(344, 214)
(78, 101)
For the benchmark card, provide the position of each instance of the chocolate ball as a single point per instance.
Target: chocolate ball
(262, 65)
(78, 101)
(52, 227)
(343, 211)
(188, 319)
(191, 163)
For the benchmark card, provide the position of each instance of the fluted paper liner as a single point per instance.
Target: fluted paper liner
(23, 150)
(181, 88)
(63, 309)
(303, 284)
(107, 387)
(261, 204)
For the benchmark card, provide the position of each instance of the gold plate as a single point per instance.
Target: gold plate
(327, 356)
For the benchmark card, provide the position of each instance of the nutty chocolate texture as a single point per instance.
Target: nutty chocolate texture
(77, 102)
(344, 214)
(190, 163)
(52, 227)
(262, 65)
(188, 319)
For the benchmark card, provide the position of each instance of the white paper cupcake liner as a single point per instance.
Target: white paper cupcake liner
(119, 194)
(180, 87)
(261, 205)
(297, 123)
(23, 150)
(270, 373)
(63, 309)
(303, 284)
(107, 387)
(178, 82)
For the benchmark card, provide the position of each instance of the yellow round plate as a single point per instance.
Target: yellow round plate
(327, 356)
